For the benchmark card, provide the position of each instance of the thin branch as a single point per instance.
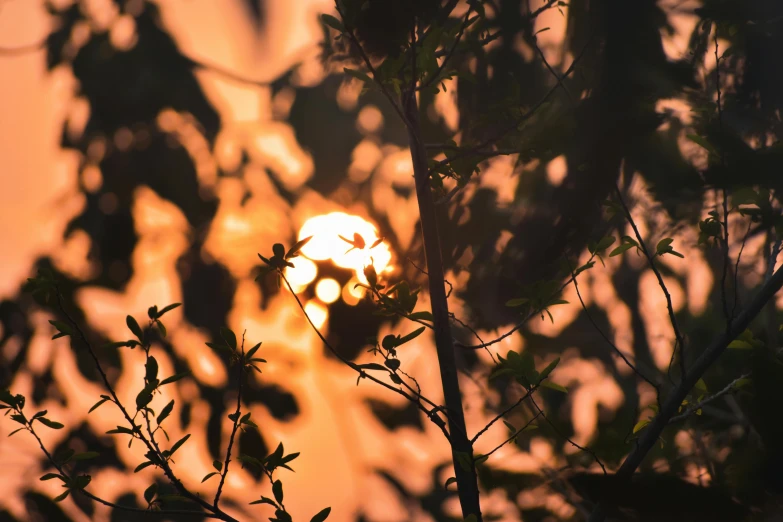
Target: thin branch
(515, 434)
(736, 270)
(163, 463)
(585, 449)
(420, 269)
(524, 117)
(606, 337)
(368, 63)
(672, 404)
(235, 427)
(503, 414)
(362, 374)
(467, 21)
(725, 250)
(552, 70)
(696, 407)
(110, 504)
(651, 262)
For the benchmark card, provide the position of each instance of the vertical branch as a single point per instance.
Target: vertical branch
(466, 478)
(234, 428)
(651, 262)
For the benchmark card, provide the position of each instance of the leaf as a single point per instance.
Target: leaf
(152, 369)
(414, 334)
(372, 366)
(264, 500)
(357, 74)
(174, 378)
(217, 465)
(161, 327)
(701, 142)
(165, 411)
(167, 309)
(541, 31)
(738, 344)
(252, 351)
(96, 405)
(50, 423)
(50, 476)
(294, 250)
(229, 336)
(142, 466)
(663, 245)
(553, 386)
(143, 398)
(701, 386)
(452, 480)
(620, 249)
(134, 327)
(149, 493)
(179, 443)
(640, 425)
(332, 22)
(421, 316)
(519, 301)
(392, 364)
(321, 515)
(87, 455)
(545, 373)
(60, 498)
(208, 476)
(277, 490)
(63, 328)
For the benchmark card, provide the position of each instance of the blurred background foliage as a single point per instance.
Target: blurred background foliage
(613, 115)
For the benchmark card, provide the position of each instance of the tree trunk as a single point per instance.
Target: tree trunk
(460, 443)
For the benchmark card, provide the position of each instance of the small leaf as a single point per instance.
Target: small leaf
(357, 74)
(134, 327)
(519, 301)
(229, 336)
(545, 373)
(174, 378)
(294, 250)
(640, 425)
(372, 366)
(149, 493)
(620, 249)
(450, 481)
(217, 465)
(167, 309)
(277, 490)
(738, 344)
(165, 412)
(50, 424)
(87, 455)
(63, 496)
(179, 443)
(414, 334)
(142, 466)
(50, 476)
(96, 405)
(421, 316)
(332, 22)
(321, 515)
(152, 369)
(392, 364)
(553, 386)
(208, 476)
(264, 500)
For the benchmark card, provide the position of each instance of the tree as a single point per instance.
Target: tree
(606, 133)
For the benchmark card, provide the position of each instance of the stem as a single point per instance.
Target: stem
(444, 344)
(234, 428)
(163, 463)
(653, 431)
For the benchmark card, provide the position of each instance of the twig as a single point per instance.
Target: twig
(552, 70)
(736, 270)
(724, 300)
(420, 269)
(450, 53)
(130, 509)
(651, 262)
(502, 414)
(585, 449)
(606, 338)
(235, 427)
(653, 430)
(696, 407)
(515, 434)
(151, 447)
(362, 374)
(524, 117)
